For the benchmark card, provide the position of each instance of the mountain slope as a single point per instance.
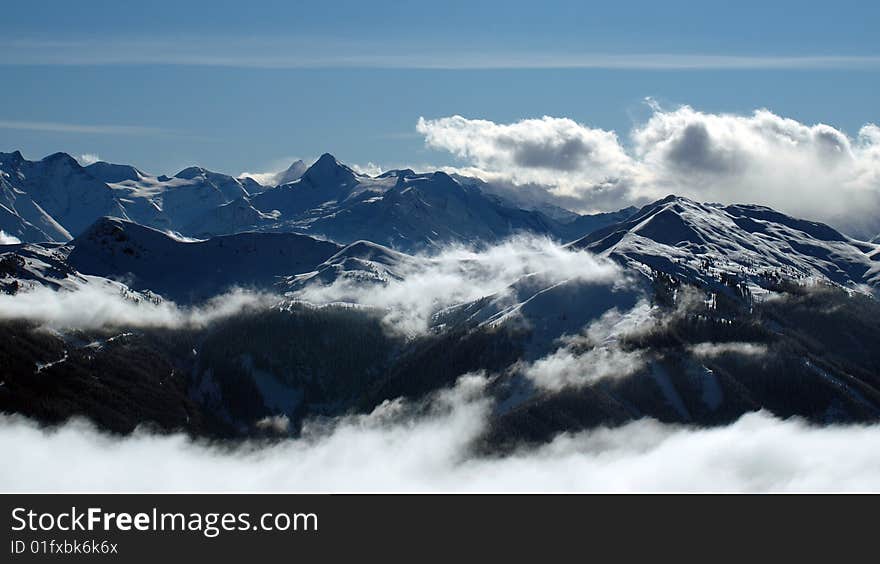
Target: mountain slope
(360, 263)
(55, 199)
(232, 217)
(55, 195)
(711, 244)
(399, 209)
(583, 225)
(188, 271)
(810, 352)
(177, 203)
(327, 182)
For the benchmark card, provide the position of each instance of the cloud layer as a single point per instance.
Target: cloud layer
(321, 51)
(814, 171)
(57, 127)
(399, 448)
(458, 275)
(94, 306)
(7, 239)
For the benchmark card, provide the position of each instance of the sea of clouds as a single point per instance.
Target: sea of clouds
(400, 448)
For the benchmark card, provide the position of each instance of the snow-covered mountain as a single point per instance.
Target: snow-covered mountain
(236, 216)
(26, 266)
(272, 179)
(576, 227)
(722, 247)
(400, 208)
(360, 263)
(713, 244)
(810, 353)
(373, 221)
(734, 248)
(141, 259)
(52, 199)
(182, 202)
(56, 198)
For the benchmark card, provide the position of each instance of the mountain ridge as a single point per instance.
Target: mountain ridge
(715, 243)
(327, 198)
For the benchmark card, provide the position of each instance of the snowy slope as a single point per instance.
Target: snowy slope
(179, 202)
(705, 242)
(582, 225)
(546, 304)
(29, 266)
(55, 199)
(294, 172)
(270, 180)
(546, 310)
(361, 262)
(12, 212)
(54, 195)
(233, 217)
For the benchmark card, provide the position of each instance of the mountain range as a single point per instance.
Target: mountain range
(682, 311)
(55, 199)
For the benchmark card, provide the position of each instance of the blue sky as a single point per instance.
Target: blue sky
(239, 86)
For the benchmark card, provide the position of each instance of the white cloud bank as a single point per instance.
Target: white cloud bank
(814, 171)
(95, 306)
(458, 275)
(711, 350)
(595, 353)
(7, 239)
(396, 448)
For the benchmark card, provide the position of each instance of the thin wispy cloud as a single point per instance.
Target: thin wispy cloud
(100, 129)
(86, 159)
(301, 53)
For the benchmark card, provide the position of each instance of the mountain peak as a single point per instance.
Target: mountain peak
(13, 159)
(112, 173)
(294, 172)
(328, 170)
(190, 172)
(61, 158)
(443, 177)
(673, 199)
(397, 173)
